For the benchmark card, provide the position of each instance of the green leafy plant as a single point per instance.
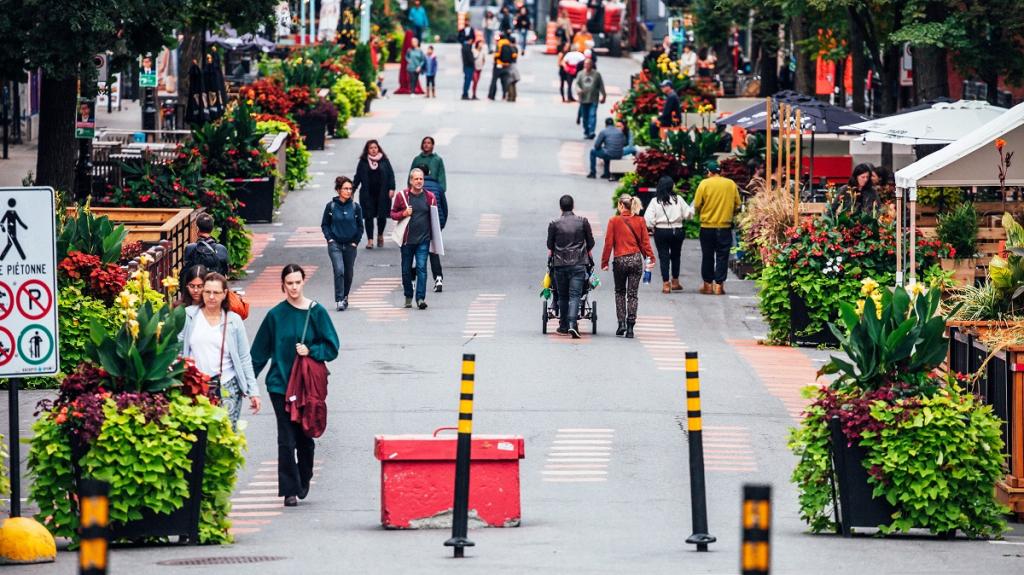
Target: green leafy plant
(76, 311)
(93, 235)
(695, 146)
(143, 355)
(5, 482)
(296, 155)
(976, 303)
(362, 65)
(344, 107)
(940, 198)
(959, 228)
(354, 92)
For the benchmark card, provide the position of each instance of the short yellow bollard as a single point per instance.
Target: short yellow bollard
(24, 540)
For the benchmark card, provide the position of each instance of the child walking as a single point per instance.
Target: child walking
(431, 71)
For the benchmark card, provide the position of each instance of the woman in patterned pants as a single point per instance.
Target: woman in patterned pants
(627, 238)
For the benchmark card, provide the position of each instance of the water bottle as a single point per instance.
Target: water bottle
(594, 281)
(647, 271)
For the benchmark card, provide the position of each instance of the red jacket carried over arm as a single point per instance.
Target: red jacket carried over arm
(306, 396)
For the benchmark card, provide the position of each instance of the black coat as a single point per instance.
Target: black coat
(375, 203)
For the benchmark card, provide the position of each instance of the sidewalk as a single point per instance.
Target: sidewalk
(22, 158)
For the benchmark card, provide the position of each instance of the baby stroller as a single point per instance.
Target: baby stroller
(588, 307)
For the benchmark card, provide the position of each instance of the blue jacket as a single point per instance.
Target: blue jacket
(236, 347)
(342, 222)
(433, 186)
(418, 16)
(431, 67)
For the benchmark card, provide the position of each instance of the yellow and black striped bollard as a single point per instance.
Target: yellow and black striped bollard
(94, 508)
(698, 496)
(460, 508)
(755, 555)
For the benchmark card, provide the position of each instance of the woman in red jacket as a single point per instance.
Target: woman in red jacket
(627, 237)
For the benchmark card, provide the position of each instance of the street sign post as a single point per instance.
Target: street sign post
(28, 300)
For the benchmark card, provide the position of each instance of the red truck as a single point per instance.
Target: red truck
(603, 21)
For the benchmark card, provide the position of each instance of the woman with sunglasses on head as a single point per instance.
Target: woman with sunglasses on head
(215, 338)
(298, 326)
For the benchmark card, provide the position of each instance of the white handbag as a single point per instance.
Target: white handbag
(398, 233)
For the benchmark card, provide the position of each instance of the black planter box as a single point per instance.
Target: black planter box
(182, 522)
(857, 507)
(799, 320)
(257, 197)
(314, 132)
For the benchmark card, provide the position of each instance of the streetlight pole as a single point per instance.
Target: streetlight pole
(364, 21)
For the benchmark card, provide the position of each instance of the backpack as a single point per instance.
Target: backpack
(205, 254)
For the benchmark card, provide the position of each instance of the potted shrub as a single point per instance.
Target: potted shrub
(959, 228)
(136, 415)
(891, 444)
(313, 115)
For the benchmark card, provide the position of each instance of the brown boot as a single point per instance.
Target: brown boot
(719, 289)
(666, 288)
(705, 288)
(675, 285)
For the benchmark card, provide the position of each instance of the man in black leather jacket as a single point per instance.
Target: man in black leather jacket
(570, 241)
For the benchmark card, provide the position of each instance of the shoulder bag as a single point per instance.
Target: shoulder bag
(215, 382)
(398, 234)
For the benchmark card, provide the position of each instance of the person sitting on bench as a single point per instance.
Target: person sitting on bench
(608, 146)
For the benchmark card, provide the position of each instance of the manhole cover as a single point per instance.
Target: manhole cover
(233, 560)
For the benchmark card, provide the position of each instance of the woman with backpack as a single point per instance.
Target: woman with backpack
(375, 182)
(666, 216)
(342, 225)
(627, 238)
(298, 326)
(215, 338)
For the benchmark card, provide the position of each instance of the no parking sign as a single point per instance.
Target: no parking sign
(28, 283)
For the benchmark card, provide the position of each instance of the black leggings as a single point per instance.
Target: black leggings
(564, 85)
(382, 221)
(669, 246)
(292, 474)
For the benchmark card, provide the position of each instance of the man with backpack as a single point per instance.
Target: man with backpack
(206, 251)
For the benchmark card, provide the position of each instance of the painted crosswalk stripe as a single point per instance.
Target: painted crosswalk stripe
(658, 336)
(482, 316)
(579, 455)
(570, 158)
(728, 449)
(306, 237)
(489, 226)
(371, 130)
(374, 298)
(265, 290)
(784, 371)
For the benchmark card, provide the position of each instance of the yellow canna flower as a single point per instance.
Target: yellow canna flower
(918, 289)
(144, 260)
(860, 308)
(170, 283)
(126, 300)
(133, 328)
(868, 286)
(159, 330)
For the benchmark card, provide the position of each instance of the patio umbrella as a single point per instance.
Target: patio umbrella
(941, 123)
(195, 108)
(216, 91)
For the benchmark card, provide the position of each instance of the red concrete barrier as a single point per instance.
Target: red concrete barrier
(417, 476)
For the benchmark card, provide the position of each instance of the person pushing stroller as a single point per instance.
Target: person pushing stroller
(570, 241)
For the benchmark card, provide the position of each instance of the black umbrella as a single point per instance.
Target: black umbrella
(195, 108)
(216, 91)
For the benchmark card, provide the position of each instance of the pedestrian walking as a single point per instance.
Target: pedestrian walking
(411, 209)
(512, 76)
(466, 52)
(716, 202)
(430, 69)
(375, 182)
(432, 160)
(431, 185)
(590, 89)
(342, 226)
(479, 60)
(415, 60)
(490, 30)
(206, 251)
(214, 337)
(570, 242)
(666, 217)
(626, 237)
(523, 27)
(503, 57)
(505, 22)
(418, 19)
(609, 145)
(297, 326)
(192, 293)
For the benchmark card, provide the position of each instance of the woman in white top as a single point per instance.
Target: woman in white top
(214, 337)
(479, 60)
(665, 217)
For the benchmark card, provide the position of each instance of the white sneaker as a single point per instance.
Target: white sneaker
(437, 284)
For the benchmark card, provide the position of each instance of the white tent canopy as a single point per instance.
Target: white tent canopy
(971, 160)
(942, 123)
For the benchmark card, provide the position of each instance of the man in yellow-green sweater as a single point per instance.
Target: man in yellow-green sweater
(717, 201)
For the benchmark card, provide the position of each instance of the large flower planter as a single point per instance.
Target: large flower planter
(857, 507)
(183, 522)
(314, 132)
(800, 319)
(256, 196)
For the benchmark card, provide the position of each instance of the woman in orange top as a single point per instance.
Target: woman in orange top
(626, 235)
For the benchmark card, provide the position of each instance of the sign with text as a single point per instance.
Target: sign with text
(28, 283)
(85, 119)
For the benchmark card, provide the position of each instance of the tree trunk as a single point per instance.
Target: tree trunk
(860, 64)
(889, 87)
(769, 70)
(190, 50)
(931, 78)
(55, 161)
(805, 71)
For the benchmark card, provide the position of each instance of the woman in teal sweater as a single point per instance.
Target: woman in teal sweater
(285, 324)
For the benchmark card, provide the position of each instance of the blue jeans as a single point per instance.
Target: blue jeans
(489, 39)
(589, 114)
(343, 262)
(420, 252)
(595, 154)
(628, 151)
(522, 34)
(569, 280)
(467, 80)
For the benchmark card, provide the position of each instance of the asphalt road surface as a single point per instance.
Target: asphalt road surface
(626, 508)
